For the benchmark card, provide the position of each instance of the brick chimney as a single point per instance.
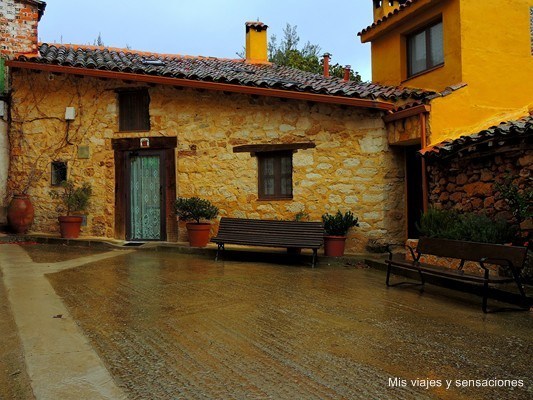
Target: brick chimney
(256, 43)
(19, 20)
(382, 8)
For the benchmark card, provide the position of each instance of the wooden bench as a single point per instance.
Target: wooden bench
(509, 258)
(270, 233)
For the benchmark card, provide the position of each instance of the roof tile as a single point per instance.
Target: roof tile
(232, 71)
(402, 7)
(498, 134)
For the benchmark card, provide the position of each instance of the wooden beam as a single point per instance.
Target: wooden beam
(156, 142)
(262, 148)
(409, 112)
(162, 80)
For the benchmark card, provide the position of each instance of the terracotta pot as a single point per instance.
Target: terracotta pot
(334, 246)
(20, 213)
(198, 233)
(70, 226)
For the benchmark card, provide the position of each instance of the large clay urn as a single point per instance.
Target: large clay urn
(20, 213)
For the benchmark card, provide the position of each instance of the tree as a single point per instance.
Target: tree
(308, 58)
(98, 41)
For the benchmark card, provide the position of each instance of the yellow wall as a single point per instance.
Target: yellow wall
(256, 45)
(487, 45)
(497, 66)
(389, 53)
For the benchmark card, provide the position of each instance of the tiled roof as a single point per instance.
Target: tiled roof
(494, 136)
(256, 25)
(402, 7)
(229, 71)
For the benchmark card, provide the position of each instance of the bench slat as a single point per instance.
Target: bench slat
(483, 253)
(472, 251)
(446, 272)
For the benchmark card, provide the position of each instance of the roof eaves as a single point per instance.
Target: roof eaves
(404, 12)
(201, 84)
(498, 134)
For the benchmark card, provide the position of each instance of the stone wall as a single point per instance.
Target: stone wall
(405, 131)
(351, 167)
(18, 27)
(469, 184)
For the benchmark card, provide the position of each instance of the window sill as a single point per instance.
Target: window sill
(426, 71)
(274, 198)
(135, 131)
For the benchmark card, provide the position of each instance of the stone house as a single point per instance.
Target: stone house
(258, 140)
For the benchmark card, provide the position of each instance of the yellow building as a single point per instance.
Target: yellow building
(482, 49)
(477, 58)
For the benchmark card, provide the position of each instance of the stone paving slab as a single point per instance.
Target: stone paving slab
(60, 360)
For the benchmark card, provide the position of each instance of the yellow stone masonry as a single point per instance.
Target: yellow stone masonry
(351, 168)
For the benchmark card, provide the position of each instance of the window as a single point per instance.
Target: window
(59, 172)
(275, 175)
(425, 49)
(133, 110)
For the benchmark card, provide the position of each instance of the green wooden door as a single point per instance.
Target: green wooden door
(145, 197)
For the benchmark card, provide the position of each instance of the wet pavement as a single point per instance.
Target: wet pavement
(14, 380)
(174, 326)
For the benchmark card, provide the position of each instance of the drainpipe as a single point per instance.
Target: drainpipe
(347, 70)
(423, 143)
(326, 64)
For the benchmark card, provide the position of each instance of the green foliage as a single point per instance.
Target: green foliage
(75, 199)
(338, 224)
(308, 58)
(439, 224)
(520, 202)
(195, 209)
(449, 224)
(98, 41)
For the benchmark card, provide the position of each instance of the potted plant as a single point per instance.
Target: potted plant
(336, 227)
(194, 210)
(75, 199)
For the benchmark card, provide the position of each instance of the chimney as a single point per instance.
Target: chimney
(347, 70)
(382, 8)
(20, 18)
(326, 64)
(256, 43)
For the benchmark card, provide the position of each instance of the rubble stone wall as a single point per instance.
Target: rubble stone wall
(351, 168)
(469, 185)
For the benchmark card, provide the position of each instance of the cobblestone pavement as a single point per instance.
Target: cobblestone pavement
(171, 326)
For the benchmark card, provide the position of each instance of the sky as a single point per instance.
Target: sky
(209, 27)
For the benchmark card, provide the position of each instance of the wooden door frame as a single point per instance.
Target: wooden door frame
(162, 194)
(121, 149)
(407, 185)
